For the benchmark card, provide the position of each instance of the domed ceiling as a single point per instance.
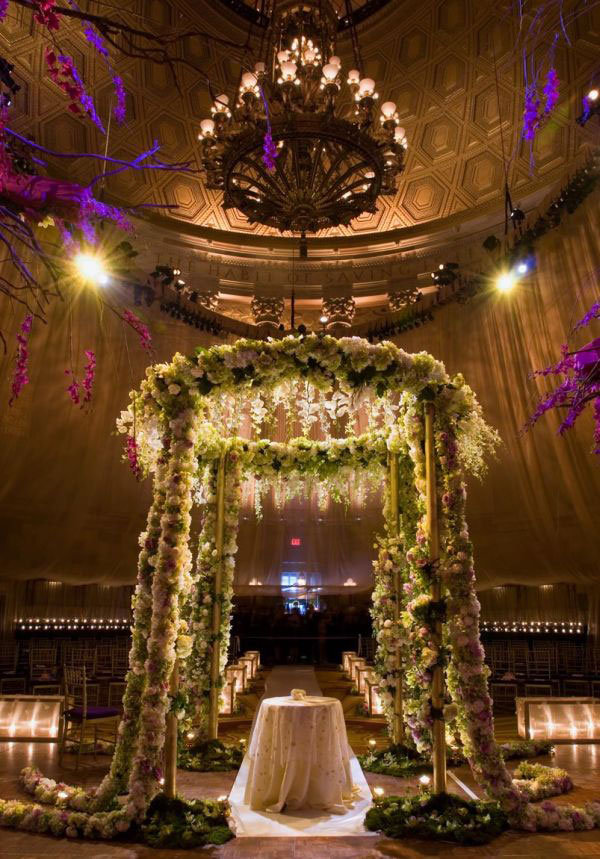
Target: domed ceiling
(451, 66)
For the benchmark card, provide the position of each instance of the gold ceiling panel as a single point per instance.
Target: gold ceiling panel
(436, 60)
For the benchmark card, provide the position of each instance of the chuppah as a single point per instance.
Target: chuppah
(198, 425)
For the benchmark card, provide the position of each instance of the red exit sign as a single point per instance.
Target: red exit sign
(295, 541)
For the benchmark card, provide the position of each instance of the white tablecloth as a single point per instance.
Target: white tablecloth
(299, 756)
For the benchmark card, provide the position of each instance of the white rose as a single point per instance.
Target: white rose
(174, 389)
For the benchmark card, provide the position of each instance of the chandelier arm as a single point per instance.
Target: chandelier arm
(338, 183)
(257, 166)
(338, 157)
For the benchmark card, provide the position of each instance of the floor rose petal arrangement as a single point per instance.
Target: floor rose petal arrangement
(198, 411)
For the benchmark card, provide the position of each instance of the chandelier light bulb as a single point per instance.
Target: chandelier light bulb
(335, 61)
(248, 81)
(593, 94)
(309, 56)
(366, 87)
(388, 109)
(282, 56)
(259, 68)
(354, 77)
(330, 72)
(288, 70)
(221, 104)
(207, 127)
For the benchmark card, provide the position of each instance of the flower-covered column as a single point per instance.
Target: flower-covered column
(171, 568)
(115, 781)
(198, 676)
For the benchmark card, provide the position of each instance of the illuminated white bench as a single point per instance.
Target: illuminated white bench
(562, 720)
(36, 718)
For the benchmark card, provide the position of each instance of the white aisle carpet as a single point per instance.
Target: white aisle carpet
(305, 822)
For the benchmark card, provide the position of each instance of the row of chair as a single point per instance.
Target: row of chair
(542, 660)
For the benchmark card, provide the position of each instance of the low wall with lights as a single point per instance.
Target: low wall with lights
(533, 627)
(30, 718)
(49, 625)
(563, 720)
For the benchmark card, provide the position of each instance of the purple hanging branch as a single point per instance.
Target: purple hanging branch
(269, 148)
(580, 385)
(136, 164)
(21, 377)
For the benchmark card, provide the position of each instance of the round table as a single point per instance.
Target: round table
(299, 756)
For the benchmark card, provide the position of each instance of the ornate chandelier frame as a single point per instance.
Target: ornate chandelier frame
(287, 154)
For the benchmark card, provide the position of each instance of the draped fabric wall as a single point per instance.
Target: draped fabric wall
(534, 518)
(47, 600)
(560, 602)
(71, 511)
(70, 508)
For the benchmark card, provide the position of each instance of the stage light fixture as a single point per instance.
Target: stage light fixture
(506, 281)
(91, 268)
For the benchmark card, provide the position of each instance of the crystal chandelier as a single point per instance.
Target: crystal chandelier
(303, 147)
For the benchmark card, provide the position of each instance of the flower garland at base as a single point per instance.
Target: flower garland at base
(441, 817)
(185, 824)
(397, 760)
(168, 822)
(539, 782)
(211, 756)
(402, 761)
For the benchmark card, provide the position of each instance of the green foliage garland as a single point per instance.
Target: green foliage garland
(440, 818)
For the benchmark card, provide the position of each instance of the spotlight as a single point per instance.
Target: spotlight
(506, 281)
(91, 268)
(324, 319)
(522, 268)
(591, 106)
(379, 792)
(446, 274)
(424, 780)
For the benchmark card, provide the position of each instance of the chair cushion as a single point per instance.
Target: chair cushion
(75, 714)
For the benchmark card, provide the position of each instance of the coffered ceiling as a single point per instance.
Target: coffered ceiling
(450, 65)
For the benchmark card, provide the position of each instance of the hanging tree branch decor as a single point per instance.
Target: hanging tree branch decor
(580, 385)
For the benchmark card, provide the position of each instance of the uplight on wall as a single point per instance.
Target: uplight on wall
(30, 717)
(564, 720)
(350, 583)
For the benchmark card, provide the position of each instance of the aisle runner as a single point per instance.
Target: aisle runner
(305, 822)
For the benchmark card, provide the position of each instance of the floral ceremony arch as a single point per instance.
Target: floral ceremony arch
(197, 423)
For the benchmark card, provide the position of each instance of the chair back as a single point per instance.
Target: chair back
(75, 687)
(9, 655)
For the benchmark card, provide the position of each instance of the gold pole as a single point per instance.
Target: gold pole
(215, 662)
(398, 724)
(437, 683)
(171, 738)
